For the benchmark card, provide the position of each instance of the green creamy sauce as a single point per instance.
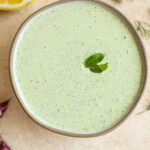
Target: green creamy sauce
(50, 73)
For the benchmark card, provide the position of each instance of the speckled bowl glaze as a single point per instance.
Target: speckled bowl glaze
(138, 42)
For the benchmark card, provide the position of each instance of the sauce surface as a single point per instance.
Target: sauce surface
(51, 77)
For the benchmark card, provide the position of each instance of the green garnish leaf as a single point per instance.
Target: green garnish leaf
(95, 68)
(93, 60)
(92, 63)
(103, 67)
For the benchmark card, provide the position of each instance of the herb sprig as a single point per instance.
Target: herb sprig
(143, 28)
(148, 108)
(92, 63)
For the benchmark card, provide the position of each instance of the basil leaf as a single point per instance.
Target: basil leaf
(94, 59)
(103, 67)
(91, 63)
(95, 68)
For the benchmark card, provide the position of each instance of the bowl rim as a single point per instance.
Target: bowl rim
(141, 51)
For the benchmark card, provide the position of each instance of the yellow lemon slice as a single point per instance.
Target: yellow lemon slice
(13, 4)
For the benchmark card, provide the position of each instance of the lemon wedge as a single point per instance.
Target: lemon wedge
(13, 4)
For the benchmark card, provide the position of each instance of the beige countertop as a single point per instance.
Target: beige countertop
(21, 133)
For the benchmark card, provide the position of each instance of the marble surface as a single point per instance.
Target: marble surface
(21, 133)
